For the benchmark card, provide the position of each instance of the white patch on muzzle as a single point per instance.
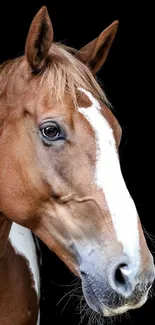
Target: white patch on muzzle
(108, 177)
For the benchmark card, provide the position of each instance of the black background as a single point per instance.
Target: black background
(76, 23)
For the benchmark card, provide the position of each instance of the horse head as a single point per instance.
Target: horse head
(60, 173)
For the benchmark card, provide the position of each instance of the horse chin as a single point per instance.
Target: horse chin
(109, 312)
(101, 307)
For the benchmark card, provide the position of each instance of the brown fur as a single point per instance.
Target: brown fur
(18, 300)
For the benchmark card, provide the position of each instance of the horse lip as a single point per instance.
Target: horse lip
(92, 300)
(98, 305)
(109, 312)
(106, 311)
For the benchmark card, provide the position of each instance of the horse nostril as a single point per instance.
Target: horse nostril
(119, 275)
(120, 280)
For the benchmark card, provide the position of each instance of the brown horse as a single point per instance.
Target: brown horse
(60, 178)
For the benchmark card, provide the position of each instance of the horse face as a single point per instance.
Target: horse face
(69, 190)
(95, 224)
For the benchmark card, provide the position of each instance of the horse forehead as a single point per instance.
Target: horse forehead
(48, 106)
(88, 104)
(83, 99)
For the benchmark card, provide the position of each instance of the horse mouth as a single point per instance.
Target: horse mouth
(109, 312)
(107, 308)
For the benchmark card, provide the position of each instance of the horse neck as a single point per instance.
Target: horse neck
(5, 226)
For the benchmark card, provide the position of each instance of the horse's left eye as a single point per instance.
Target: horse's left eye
(50, 131)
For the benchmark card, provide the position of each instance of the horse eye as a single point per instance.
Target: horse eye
(50, 131)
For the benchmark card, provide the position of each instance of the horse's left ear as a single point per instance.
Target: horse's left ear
(39, 40)
(95, 53)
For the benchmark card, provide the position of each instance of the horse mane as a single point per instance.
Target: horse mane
(64, 73)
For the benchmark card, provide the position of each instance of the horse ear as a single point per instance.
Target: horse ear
(39, 40)
(95, 53)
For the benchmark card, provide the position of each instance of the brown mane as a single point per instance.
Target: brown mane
(63, 73)
(6, 69)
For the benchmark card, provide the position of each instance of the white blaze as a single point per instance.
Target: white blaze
(108, 177)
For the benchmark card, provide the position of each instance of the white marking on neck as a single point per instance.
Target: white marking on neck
(38, 321)
(108, 177)
(22, 240)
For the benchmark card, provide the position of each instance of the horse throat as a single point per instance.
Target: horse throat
(5, 226)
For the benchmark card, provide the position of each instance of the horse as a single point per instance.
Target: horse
(61, 180)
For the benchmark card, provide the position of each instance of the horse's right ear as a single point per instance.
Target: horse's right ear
(39, 40)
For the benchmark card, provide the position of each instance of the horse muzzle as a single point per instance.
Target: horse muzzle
(118, 288)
